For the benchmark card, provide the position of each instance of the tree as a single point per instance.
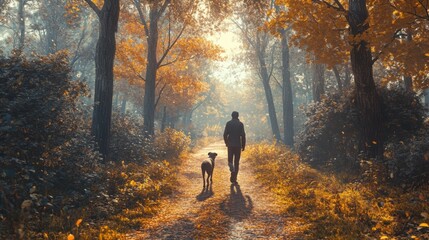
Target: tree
(261, 48)
(367, 99)
(318, 81)
(108, 17)
(321, 28)
(21, 23)
(287, 95)
(179, 84)
(179, 15)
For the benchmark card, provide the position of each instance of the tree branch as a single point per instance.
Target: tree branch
(159, 94)
(339, 6)
(94, 7)
(245, 33)
(395, 35)
(170, 46)
(141, 15)
(163, 7)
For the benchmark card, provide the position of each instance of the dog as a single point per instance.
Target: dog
(208, 166)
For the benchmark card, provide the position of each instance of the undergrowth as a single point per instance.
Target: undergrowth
(53, 184)
(340, 207)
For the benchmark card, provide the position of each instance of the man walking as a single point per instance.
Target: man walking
(235, 140)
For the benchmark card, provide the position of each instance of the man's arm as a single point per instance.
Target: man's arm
(243, 138)
(225, 135)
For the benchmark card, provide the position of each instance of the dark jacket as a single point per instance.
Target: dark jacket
(234, 135)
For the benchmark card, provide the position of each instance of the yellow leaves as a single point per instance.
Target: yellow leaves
(78, 222)
(70, 237)
(133, 183)
(424, 225)
(384, 237)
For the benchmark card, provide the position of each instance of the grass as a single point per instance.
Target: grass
(337, 207)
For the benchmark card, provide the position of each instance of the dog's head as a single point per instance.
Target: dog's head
(212, 155)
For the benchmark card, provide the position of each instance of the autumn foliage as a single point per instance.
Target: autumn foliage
(50, 174)
(339, 206)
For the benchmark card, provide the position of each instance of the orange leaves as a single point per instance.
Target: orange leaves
(322, 30)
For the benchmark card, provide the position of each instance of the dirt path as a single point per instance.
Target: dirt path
(244, 211)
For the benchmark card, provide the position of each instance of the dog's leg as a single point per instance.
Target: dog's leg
(204, 180)
(211, 176)
(208, 176)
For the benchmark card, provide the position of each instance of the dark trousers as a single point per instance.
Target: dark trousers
(234, 154)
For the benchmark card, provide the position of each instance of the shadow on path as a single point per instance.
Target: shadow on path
(182, 229)
(205, 193)
(236, 205)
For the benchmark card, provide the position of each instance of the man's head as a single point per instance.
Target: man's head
(234, 114)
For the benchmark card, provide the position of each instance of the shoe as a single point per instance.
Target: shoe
(231, 167)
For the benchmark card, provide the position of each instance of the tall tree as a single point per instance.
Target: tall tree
(21, 23)
(108, 17)
(367, 99)
(287, 95)
(178, 15)
(318, 81)
(261, 47)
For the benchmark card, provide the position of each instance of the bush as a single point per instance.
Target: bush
(128, 142)
(44, 142)
(330, 137)
(172, 143)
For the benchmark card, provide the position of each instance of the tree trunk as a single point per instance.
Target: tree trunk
(164, 119)
(21, 24)
(269, 97)
(367, 99)
(338, 77)
(347, 77)
(408, 80)
(151, 70)
(124, 104)
(287, 92)
(426, 93)
(318, 81)
(104, 58)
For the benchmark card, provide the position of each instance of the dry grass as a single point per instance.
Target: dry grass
(336, 208)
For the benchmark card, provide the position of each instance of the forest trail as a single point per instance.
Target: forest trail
(243, 211)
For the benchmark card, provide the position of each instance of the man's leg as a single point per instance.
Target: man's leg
(237, 154)
(230, 163)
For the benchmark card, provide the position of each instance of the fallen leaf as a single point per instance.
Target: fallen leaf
(78, 222)
(424, 225)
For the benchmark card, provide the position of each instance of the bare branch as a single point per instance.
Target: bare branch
(339, 6)
(395, 35)
(170, 46)
(94, 7)
(272, 62)
(142, 17)
(163, 7)
(278, 82)
(245, 33)
(159, 94)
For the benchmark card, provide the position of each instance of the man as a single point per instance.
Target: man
(235, 140)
